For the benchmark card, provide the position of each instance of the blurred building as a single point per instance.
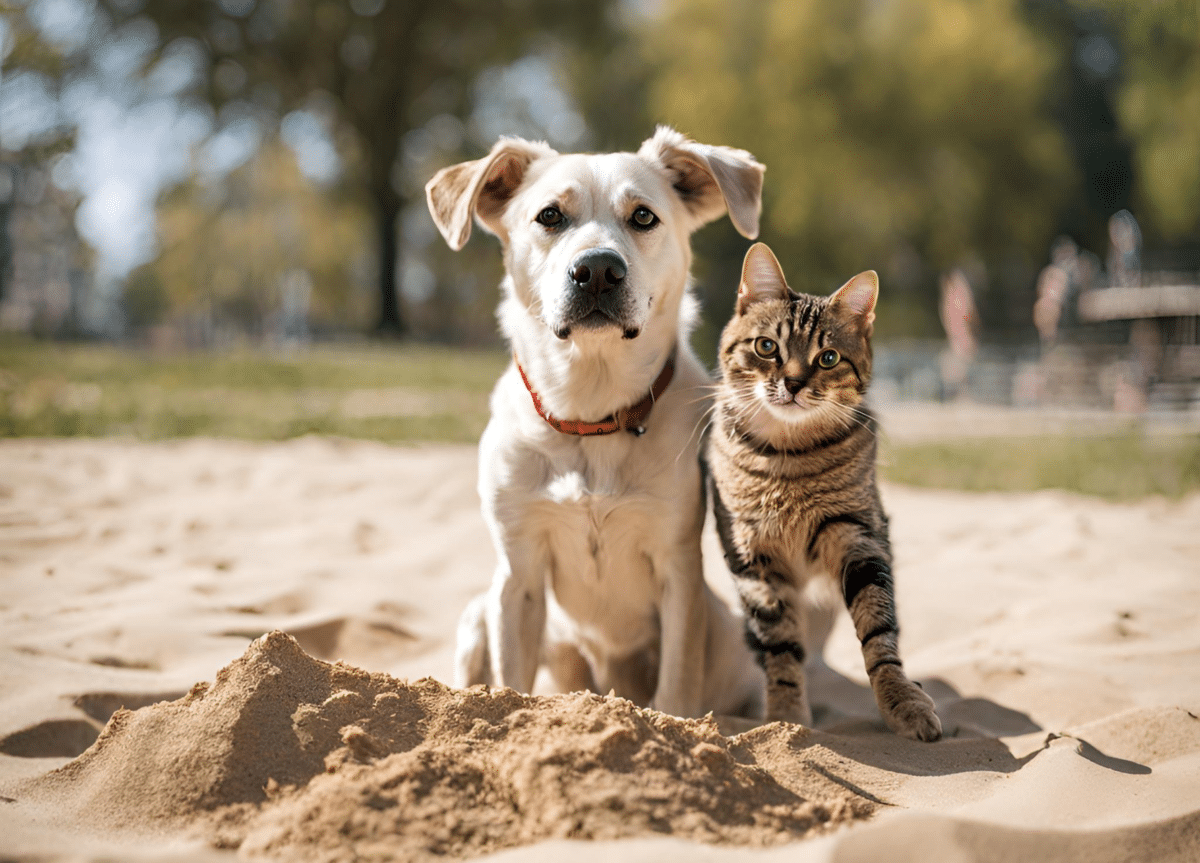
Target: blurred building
(1111, 336)
(1160, 312)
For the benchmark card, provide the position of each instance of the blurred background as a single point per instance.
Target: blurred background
(212, 217)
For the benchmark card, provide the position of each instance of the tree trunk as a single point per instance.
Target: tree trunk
(387, 205)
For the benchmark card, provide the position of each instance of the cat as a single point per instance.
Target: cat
(791, 462)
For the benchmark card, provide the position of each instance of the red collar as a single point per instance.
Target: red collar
(631, 419)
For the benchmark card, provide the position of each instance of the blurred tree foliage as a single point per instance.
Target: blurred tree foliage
(245, 250)
(1159, 108)
(378, 68)
(26, 49)
(908, 137)
(1082, 102)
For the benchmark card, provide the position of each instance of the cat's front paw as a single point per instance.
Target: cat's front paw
(914, 717)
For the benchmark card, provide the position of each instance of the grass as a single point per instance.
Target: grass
(1119, 467)
(409, 393)
(389, 393)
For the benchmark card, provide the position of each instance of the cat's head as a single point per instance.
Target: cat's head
(794, 358)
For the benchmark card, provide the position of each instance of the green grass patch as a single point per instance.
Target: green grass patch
(408, 393)
(427, 367)
(1118, 467)
(385, 392)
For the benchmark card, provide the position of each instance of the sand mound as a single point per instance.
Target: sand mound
(284, 752)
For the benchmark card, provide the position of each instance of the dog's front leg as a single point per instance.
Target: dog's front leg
(516, 616)
(684, 618)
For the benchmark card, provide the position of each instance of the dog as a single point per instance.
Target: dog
(588, 474)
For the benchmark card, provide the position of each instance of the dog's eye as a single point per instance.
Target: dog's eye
(828, 359)
(551, 217)
(765, 348)
(643, 219)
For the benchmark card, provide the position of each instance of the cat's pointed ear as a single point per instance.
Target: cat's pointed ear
(857, 297)
(762, 278)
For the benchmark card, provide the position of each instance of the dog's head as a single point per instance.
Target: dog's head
(597, 245)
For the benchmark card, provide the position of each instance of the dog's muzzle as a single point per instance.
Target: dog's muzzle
(596, 294)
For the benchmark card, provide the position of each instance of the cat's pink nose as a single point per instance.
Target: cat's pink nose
(794, 385)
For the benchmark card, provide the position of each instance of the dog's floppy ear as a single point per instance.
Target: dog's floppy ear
(710, 180)
(480, 188)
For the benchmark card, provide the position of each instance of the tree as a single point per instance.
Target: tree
(1158, 105)
(383, 67)
(24, 54)
(234, 251)
(908, 137)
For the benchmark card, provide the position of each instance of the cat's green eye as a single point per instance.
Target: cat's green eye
(828, 359)
(765, 348)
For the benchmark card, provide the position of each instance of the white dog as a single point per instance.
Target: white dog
(588, 468)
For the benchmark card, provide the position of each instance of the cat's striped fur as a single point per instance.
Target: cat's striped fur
(791, 456)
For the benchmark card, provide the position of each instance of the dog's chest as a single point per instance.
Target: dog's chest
(602, 538)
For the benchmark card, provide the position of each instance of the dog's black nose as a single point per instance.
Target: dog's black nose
(598, 270)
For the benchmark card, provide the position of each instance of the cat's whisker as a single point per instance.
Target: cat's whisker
(707, 426)
(855, 415)
(706, 420)
(705, 398)
(746, 410)
(708, 392)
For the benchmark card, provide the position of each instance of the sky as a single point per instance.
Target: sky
(133, 138)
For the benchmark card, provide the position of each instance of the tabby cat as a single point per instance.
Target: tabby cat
(791, 457)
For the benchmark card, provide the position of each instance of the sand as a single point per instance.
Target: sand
(143, 585)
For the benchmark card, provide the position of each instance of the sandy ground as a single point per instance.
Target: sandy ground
(1058, 635)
